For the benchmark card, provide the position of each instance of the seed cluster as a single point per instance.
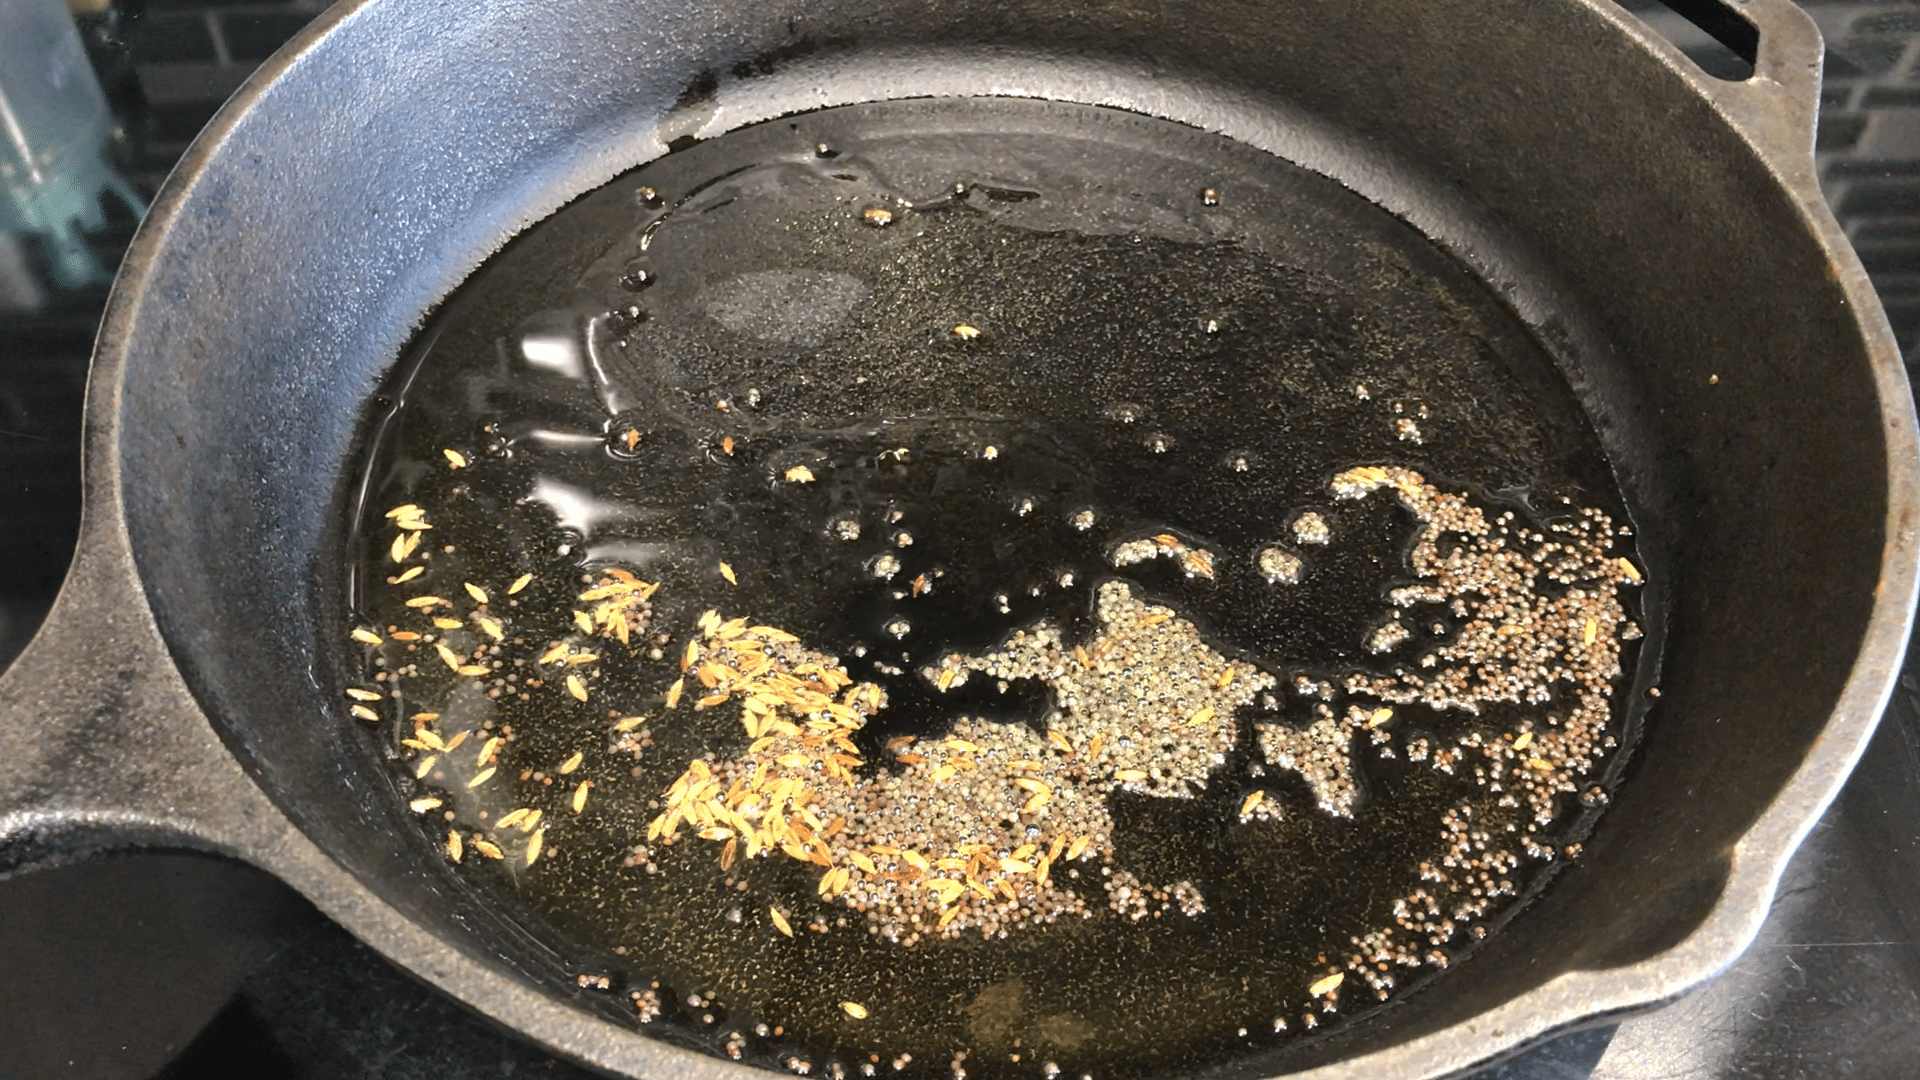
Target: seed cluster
(801, 709)
(1322, 753)
(967, 830)
(475, 661)
(1533, 613)
(1193, 561)
(1388, 636)
(995, 826)
(1311, 528)
(1149, 698)
(622, 605)
(1279, 566)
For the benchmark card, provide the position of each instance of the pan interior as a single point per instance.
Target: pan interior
(904, 379)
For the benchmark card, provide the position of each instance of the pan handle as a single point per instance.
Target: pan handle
(1777, 107)
(102, 747)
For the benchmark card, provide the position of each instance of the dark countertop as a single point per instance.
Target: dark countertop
(175, 966)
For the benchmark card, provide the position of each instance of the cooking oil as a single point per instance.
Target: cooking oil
(915, 590)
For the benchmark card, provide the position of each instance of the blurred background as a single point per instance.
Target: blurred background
(175, 965)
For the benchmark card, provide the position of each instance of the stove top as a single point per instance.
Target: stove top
(170, 966)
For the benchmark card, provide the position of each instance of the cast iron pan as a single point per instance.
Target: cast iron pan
(1659, 230)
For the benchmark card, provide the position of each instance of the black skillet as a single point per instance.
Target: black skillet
(1659, 229)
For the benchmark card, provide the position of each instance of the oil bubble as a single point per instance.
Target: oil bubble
(627, 435)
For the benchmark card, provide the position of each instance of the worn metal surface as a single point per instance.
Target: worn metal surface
(1633, 209)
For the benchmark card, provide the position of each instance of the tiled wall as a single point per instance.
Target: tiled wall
(189, 55)
(1869, 146)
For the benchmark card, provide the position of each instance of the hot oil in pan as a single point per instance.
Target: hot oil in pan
(990, 588)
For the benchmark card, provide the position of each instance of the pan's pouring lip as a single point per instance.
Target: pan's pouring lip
(324, 58)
